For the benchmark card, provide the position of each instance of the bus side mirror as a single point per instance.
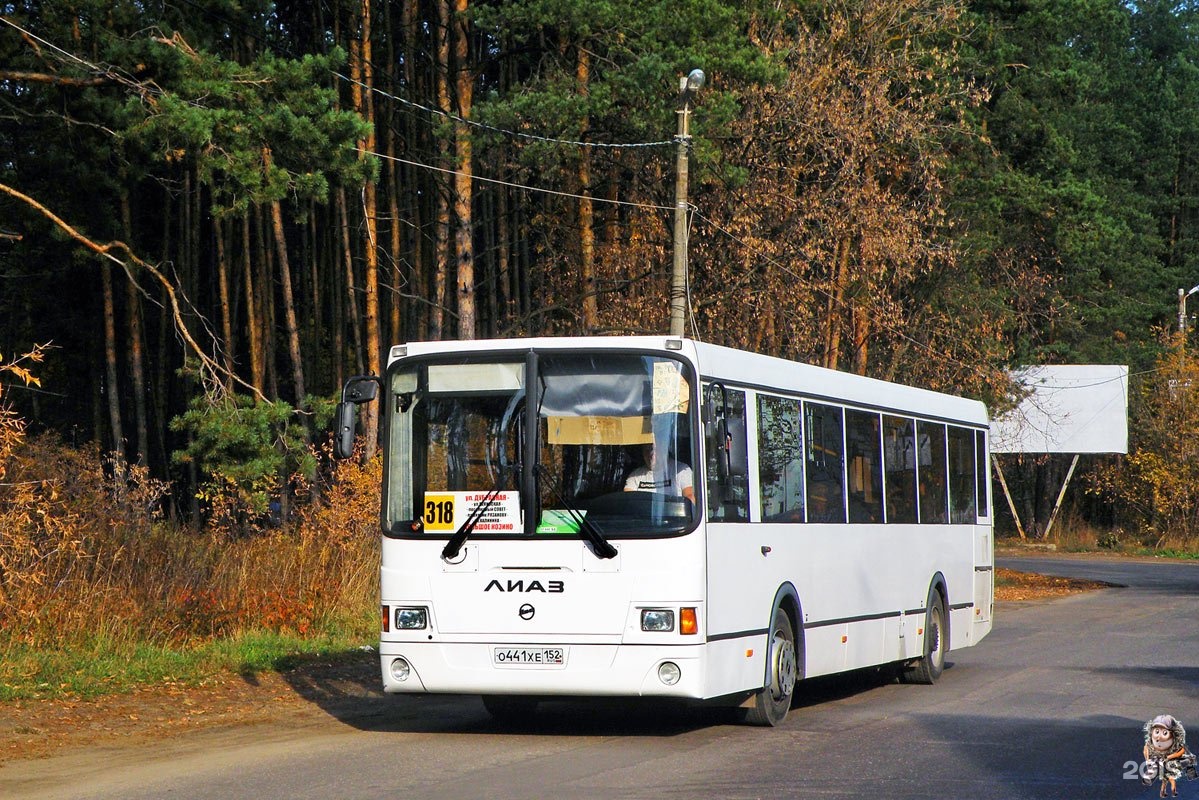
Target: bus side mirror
(343, 437)
(358, 389)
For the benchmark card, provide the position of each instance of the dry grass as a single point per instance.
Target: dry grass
(1073, 534)
(84, 558)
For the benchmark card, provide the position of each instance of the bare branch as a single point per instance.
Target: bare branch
(48, 78)
(130, 259)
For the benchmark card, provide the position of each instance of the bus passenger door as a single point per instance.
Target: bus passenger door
(736, 586)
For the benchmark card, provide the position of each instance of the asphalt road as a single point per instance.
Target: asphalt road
(1050, 705)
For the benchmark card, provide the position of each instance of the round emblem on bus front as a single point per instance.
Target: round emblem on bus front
(527, 611)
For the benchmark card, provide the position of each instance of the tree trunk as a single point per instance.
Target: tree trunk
(586, 213)
(396, 241)
(836, 303)
(413, 197)
(370, 213)
(355, 320)
(504, 259)
(442, 224)
(861, 338)
(137, 365)
(222, 271)
(267, 298)
(111, 389)
(254, 321)
(289, 305)
(464, 179)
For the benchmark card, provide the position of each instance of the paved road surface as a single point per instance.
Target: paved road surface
(1049, 706)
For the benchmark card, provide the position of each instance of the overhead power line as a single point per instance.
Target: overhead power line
(504, 131)
(542, 190)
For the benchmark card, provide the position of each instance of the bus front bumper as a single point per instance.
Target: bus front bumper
(561, 670)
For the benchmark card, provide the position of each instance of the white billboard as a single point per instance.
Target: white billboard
(1068, 409)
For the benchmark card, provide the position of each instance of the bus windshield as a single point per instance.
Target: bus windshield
(546, 440)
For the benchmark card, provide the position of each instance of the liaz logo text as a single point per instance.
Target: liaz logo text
(549, 587)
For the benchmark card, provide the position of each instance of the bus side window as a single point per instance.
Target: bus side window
(982, 466)
(824, 442)
(780, 459)
(931, 472)
(899, 459)
(727, 480)
(865, 477)
(962, 483)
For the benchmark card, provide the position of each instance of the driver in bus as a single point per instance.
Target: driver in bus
(670, 477)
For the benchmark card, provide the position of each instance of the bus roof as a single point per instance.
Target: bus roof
(741, 368)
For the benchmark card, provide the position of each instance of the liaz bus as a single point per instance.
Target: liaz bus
(660, 517)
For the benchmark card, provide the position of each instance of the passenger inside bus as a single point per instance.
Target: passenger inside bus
(671, 477)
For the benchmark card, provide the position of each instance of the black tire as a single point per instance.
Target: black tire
(928, 668)
(510, 708)
(769, 706)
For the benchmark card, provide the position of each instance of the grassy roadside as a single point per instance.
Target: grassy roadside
(1076, 536)
(101, 595)
(104, 666)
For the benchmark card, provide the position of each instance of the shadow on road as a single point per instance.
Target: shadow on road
(1185, 679)
(349, 691)
(1065, 756)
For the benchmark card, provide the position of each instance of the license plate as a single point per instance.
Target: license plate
(529, 656)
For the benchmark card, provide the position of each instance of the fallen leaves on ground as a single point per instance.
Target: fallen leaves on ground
(1013, 585)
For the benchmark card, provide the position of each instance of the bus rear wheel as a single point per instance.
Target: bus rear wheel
(769, 706)
(928, 668)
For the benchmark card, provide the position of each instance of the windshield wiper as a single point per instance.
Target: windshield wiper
(468, 525)
(587, 529)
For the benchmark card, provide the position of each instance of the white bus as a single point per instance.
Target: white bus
(658, 517)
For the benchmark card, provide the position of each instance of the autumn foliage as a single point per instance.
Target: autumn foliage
(1155, 489)
(85, 553)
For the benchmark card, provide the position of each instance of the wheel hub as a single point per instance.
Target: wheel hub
(784, 672)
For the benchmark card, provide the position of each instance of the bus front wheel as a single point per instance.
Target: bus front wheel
(929, 667)
(769, 706)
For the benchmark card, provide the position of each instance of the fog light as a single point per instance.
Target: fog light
(411, 619)
(657, 619)
(669, 673)
(401, 669)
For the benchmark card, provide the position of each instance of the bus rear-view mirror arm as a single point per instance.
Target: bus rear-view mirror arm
(357, 390)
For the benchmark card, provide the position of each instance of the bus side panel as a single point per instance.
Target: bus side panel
(863, 589)
(742, 584)
(984, 575)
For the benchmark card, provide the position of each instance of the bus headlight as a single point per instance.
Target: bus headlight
(412, 619)
(669, 673)
(657, 619)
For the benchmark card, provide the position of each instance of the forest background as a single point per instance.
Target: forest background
(212, 212)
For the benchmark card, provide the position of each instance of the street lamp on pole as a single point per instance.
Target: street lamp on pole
(688, 86)
(1182, 307)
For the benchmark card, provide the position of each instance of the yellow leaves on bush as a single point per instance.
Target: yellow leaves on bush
(65, 529)
(12, 427)
(1156, 487)
(83, 550)
(349, 505)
